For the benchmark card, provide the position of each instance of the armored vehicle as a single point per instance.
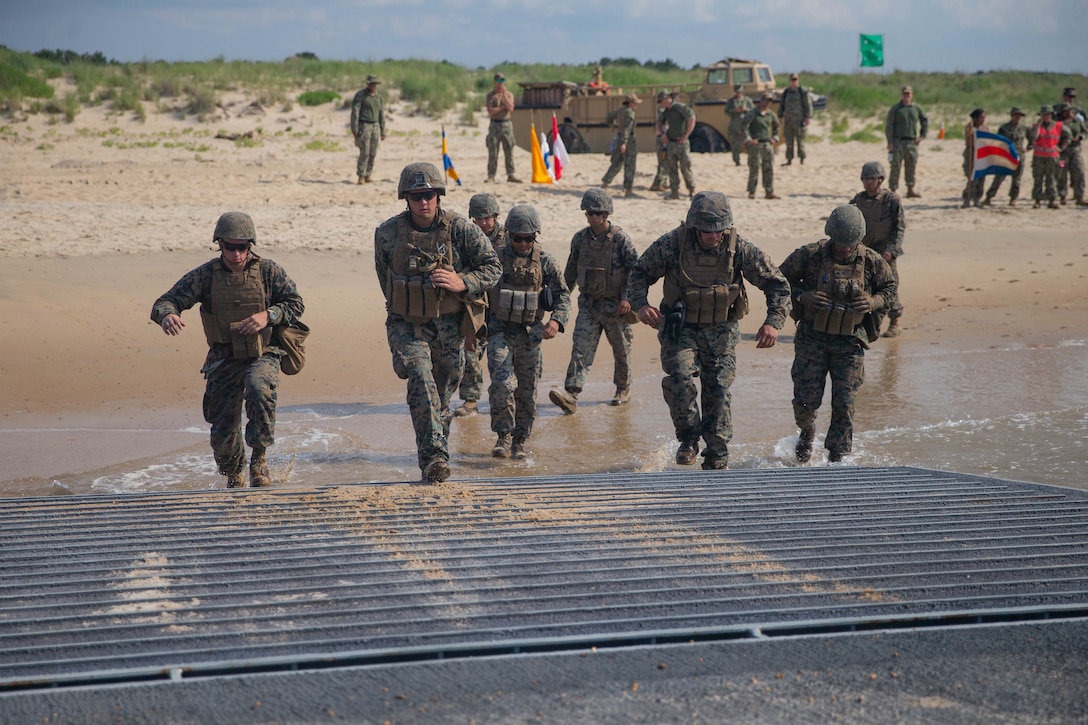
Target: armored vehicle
(584, 110)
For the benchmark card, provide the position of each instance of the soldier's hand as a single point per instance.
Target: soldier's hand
(172, 324)
(815, 300)
(448, 279)
(253, 324)
(623, 308)
(887, 257)
(551, 329)
(863, 303)
(766, 337)
(650, 316)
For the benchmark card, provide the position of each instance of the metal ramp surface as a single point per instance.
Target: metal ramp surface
(130, 588)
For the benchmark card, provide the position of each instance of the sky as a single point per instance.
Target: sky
(798, 35)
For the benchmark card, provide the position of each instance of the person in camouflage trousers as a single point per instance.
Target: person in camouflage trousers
(1048, 139)
(430, 263)
(677, 123)
(1071, 162)
(600, 260)
(500, 134)
(972, 191)
(1016, 132)
(835, 285)
(760, 136)
(530, 276)
(661, 176)
(904, 129)
(367, 126)
(795, 112)
(242, 299)
(624, 146)
(737, 108)
(704, 263)
(885, 227)
(483, 209)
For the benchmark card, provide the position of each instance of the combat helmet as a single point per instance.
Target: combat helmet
(483, 205)
(597, 199)
(872, 170)
(235, 225)
(522, 221)
(845, 225)
(420, 176)
(710, 211)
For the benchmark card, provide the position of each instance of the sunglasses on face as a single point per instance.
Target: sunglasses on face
(428, 195)
(522, 239)
(232, 247)
(596, 213)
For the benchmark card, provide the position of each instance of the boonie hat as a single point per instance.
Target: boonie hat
(738, 87)
(632, 98)
(1017, 111)
(662, 95)
(372, 79)
(1060, 107)
(1045, 110)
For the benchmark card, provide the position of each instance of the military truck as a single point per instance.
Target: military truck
(583, 110)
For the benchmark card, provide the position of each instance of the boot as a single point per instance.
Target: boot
(716, 464)
(517, 450)
(788, 162)
(258, 469)
(567, 401)
(675, 194)
(687, 454)
(359, 180)
(691, 193)
(366, 179)
(912, 194)
(657, 187)
(622, 397)
(1052, 205)
(502, 446)
(468, 408)
(802, 161)
(1081, 201)
(437, 471)
(1012, 202)
(628, 193)
(1037, 204)
(489, 180)
(804, 444)
(834, 457)
(988, 201)
(751, 195)
(772, 195)
(604, 184)
(235, 480)
(893, 328)
(1061, 200)
(513, 179)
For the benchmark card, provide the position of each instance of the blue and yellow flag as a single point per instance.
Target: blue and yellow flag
(446, 163)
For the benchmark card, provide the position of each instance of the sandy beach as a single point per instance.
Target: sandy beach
(102, 215)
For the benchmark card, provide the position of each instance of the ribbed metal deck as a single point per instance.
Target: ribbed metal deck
(126, 588)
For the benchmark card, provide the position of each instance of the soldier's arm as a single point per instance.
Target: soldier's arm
(381, 116)
(882, 282)
(895, 245)
(923, 123)
(806, 96)
(649, 268)
(570, 272)
(282, 292)
(382, 258)
(186, 292)
(481, 267)
(757, 268)
(560, 293)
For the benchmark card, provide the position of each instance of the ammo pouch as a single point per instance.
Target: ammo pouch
(292, 339)
(708, 305)
(416, 300)
(519, 307)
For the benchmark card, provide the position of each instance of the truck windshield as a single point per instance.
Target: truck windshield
(718, 77)
(742, 75)
(765, 75)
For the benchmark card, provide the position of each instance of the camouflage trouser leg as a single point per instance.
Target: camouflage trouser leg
(736, 143)
(500, 135)
(430, 356)
(661, 175)
(815, 357)
(367, 141)
(627, 161)
(794, 132)
(472, 382)
(710, 352)
(761, 159)
(514, 363)
(1074, 167)
(588, 326)
(905, 155)
(1043, 172)
(895, 310)
(678, 163)
(253, 381)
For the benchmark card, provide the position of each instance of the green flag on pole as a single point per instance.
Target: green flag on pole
(872, 51)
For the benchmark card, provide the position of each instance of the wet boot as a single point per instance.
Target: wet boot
(502, 446)
(437, 471)
(235, 480)
(688, 453)
(804, 444)
(518, 451)
(834, 457)
(468, 408)
(567, 402)
(893, 328)
(622, 397)
(259, 475)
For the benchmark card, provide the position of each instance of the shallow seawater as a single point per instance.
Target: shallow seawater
(1013, 412)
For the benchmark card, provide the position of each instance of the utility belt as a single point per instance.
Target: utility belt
(500, 120)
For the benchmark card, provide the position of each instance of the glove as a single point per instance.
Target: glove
(815, 300)
(864, 303)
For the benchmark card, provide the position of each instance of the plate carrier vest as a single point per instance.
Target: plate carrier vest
(415, 255)
(234, 297)
(596, 278)
(705, 283)
(516, 298)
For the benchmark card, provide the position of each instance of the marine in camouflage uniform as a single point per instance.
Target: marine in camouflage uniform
(1048, 139)
(517, 327)
(483, 209)
(367, 126)
(500, 134)
(704, 265)
(972, 191)
(795, 112)
(904, 129)
(737, 108)
(243, 361)
(760, 136)
(600, 260)
(677, 123)
(1071, 166)
(624, 146)
(661, 176)
(1016, 132)
(431, 263)
(835, 285)
(885, 227)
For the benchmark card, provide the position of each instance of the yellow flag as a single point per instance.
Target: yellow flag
(540, 170)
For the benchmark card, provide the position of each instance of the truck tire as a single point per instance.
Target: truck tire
(705, 140)
(572, 139)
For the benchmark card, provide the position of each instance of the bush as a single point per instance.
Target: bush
(316, 98)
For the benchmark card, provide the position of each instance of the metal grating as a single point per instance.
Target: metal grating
(123, 588)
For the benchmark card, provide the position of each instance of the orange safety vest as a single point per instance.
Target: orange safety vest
(1046, 141)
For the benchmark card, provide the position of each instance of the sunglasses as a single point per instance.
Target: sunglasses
(428, 195)
(232, 247)
(523, 239)
(596, 213)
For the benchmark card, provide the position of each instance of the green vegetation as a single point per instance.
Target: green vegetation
(437, 87)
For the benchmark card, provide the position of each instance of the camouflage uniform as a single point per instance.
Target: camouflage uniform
(819, 354)
(661, 175)
(514, 361)
(598, 314)
(885, 227)
(677, 155)
(760, 126)
(737, 109)
(706, 352)
(368, 128)
(430, 355)
(626, 159)
(794, 110)
(972, 192)
(501, 131)
(905, 124)
(472, 382)
(1017, 133)
(231, 380)
(1071, 167)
